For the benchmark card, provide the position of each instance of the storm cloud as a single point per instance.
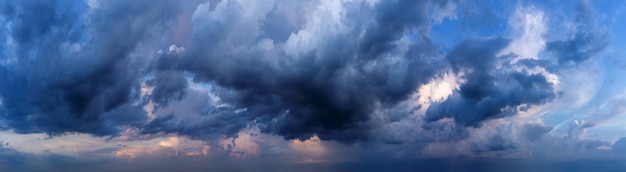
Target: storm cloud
(345, 61)
(66, 68)
(353, 80)
(326, 71)
(318, 85)
(489, 92)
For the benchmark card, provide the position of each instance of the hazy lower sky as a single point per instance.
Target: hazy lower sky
(312, 85)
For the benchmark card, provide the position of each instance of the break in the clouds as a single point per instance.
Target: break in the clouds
(349, 84)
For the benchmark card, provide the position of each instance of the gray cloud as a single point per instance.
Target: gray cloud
(69, 70)
(510, 139)
(325, 71)
(290, 68)
(535, 132)
(489, 92)
(325, 78)
(588, 40)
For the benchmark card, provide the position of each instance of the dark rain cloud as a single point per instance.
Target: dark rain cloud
(489, 92)
(68, 68)
(316, 78)
(168, 86)
(329, 88)
(293, 72)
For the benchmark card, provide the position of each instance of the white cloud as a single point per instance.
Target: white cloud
(528, 26)
(439, 89)
(448, 10)
(323, 22)
(581, 84)
(237, 21)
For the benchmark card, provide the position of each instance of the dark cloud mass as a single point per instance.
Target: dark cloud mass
(335, 80)
(290, 68)
(489, 92)
(312, 85)
(67, 67)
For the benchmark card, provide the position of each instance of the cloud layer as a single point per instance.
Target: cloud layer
(402, 79)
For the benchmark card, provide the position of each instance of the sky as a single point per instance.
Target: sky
(312, 85)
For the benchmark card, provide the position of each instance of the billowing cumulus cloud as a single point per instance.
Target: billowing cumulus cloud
(343, 62)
